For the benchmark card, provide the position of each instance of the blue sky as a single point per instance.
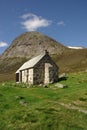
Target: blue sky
(63, 20)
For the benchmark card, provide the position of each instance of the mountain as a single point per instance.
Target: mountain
(31, 44)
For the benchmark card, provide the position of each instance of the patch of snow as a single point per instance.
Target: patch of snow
(73, 47)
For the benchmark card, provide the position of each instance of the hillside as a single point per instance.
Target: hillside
(72, 60)
(39, 108)
(31, 44)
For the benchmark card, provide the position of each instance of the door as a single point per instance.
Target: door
(47, 78)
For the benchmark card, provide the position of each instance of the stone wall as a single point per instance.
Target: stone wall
(39, 73)
(45, 71)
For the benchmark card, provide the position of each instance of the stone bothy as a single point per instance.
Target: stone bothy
(39, 70)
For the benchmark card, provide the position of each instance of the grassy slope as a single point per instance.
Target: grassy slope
(40, 108)
(72, 60)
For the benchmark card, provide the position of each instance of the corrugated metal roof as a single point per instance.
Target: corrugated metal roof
(31, 63)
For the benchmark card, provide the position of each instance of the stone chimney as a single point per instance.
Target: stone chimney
(46, 52)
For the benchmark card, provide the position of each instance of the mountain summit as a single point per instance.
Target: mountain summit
(31, 44)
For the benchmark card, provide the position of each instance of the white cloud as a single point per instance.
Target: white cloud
(3, 44)
(32, 22)
(61, 23)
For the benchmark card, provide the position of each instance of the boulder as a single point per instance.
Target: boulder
(59, 85)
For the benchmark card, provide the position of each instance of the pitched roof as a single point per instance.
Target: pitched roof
(31, 63)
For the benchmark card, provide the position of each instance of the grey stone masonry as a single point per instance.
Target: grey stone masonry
(44, 71)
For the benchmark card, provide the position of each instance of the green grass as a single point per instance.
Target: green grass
(39, 108)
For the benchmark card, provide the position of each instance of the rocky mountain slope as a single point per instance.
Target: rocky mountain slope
(31, 44)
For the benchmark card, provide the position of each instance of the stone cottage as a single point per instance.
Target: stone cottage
(39, 70)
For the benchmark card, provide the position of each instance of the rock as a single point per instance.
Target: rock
(19, 97)
(62, 76)
(45, 86)
(60, 85)
(23, 103)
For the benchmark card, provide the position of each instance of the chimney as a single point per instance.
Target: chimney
(46, 52)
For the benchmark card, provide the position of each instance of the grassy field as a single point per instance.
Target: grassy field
(38, 108)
